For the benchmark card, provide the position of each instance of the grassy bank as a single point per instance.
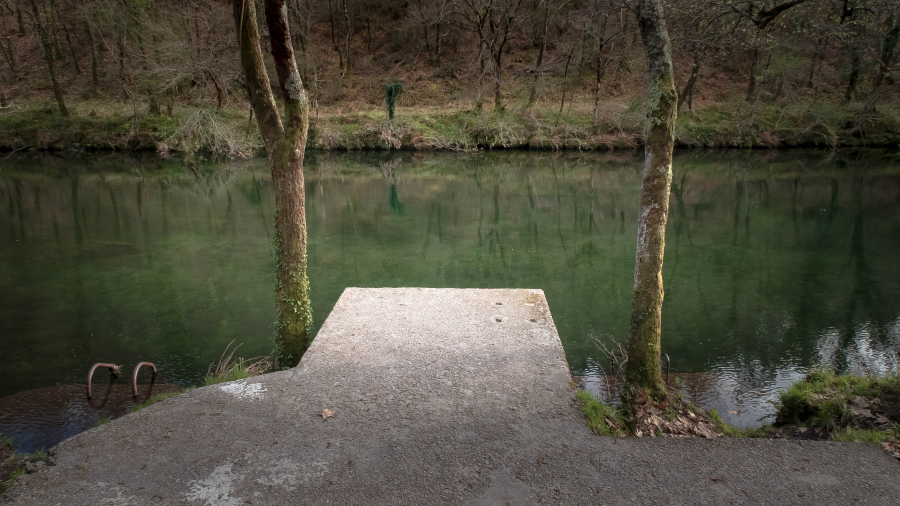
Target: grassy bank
(845, 407)
(821, 406)
(96, 125)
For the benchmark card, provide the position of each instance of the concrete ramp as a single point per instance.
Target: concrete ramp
(429, 396)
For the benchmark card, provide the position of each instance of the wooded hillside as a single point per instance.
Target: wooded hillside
(549, 73)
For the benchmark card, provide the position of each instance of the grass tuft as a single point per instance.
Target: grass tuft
(11, 480)
(231, 369)
(603, 419)
(825, 399)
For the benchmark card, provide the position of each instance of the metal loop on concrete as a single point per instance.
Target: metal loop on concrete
(134, 376)
(113, 368)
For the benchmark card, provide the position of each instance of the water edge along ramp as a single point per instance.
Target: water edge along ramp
(430, 396)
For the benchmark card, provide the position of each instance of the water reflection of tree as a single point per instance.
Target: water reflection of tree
(864, 300)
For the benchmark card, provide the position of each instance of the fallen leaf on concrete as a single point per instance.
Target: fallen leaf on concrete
(327, 413)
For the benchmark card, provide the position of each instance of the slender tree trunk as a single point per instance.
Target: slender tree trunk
(815, 61)
(437, 42)
(888, 46)
(20, 21)
(8, 50)
(348, 63)
(479, 100)
(855, 64)
(692, 79)
(562, 99)
(122, 61)
(72, 50)
(540, 58)
(333, 39)
(95, 67)
(600, 70)
(54, 33)
(498, 78)
(285, 139)
(751, 86)
(780, 88)
(643, 371)
(47, 47)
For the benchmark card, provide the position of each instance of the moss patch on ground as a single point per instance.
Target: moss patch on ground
(842, 407)
(603, 419)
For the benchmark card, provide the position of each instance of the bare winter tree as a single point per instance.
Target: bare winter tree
(284, 134)
(42, 31)
(602, 30)
(492, 21)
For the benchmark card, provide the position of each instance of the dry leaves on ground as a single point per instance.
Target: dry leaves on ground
(669, 420)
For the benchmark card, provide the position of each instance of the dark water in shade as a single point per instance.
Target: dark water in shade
(774, 261)
(43, 417)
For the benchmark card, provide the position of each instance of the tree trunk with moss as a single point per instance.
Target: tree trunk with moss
(643, 371)
(285, 140)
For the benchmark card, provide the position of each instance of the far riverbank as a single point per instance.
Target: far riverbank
(112, 126)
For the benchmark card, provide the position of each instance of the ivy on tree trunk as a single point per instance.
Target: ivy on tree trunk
(285, 140)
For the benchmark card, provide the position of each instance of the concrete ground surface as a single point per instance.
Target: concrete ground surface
(430, 396)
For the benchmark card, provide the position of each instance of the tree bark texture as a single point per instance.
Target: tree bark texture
(285, 140)
(643, 371)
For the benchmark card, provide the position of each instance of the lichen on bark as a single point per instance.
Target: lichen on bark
(285, 138)
(643, 372)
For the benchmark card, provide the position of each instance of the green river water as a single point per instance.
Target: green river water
(774, 262)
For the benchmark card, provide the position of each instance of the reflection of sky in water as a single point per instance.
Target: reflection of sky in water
(774, 262)
(744, 392)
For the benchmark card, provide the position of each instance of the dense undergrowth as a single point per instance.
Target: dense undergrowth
(97, 125)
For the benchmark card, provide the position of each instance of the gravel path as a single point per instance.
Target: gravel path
(433, 396)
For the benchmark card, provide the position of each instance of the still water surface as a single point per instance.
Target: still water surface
(774, 261)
